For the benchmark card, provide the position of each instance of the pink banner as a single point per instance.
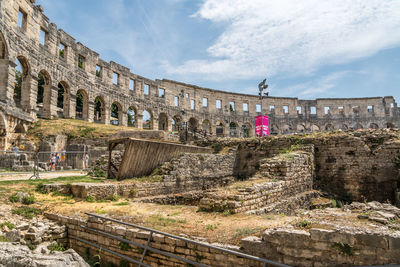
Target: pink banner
(262, 127)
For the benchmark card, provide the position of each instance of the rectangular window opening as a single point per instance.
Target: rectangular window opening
(218, 104)
(161, 92)
(313, 110)
(356, 110)
(272, 108)
(146, 89)
(176, 101)
(187, 95)
(115, 78)
(81, 61)
(61, 50)
(327, 110)
(205, 102)
(370, 109)
(258, 108)
(245, 107)
(391, 105)
(43, 37)
(286, 109)
(232, 106)
(192, 107)
(341, 110)
(298, 110)
(22, 17)
(98, 71)
(131, 84)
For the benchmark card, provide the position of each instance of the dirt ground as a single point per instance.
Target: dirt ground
(43, 175)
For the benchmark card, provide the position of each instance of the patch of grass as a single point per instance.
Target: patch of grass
(56, 247)
(4, 239)
(132, 192)
(100, 211)
(114, 198)
(8, 224)
(62, 180)
(211, 227)
(57, 194)
(246, 231)
(162, 221)
(125, 246)
(14, 198)
(304, 224)
(27, 212)
(90, 199)
(124, 203)
(344, 248)
(28, 200)
(40, 188)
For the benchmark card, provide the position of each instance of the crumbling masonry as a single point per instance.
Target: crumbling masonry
(76, 83)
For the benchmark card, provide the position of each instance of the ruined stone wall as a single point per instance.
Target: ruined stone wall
(325, 247)
(285, 178)
(93, 79)
(77, 229)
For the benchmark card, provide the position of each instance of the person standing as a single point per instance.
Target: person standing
(86, 160)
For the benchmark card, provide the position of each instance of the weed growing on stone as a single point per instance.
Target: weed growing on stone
(344, 248)
(8, 224)
(4, 239)
(40, 188)
(90, 198)
(56, 247)
(114, 197)
(304, 224)
(125, 246)
(27, 212)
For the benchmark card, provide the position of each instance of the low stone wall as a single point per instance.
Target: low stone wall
(285, 176)
(16, 162)
(76, 229)
(322, 247)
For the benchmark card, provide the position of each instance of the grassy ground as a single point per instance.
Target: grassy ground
(73, 129)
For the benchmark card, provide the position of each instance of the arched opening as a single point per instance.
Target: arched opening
(219, 129)
(285, 129)
(81, 109)
(63, 99)
(344, 127)
(314, 128)
(43, 80)
(300, 128)
(147, 120)
(176, 123)
(99, 112)
(116, 112)
(329, 127)
(246, 130)
(358, 126)
(206, 127)
(274, 129)
(193, 125)
(233, 129)
(373, 126)
(19, 128)
(163, 122)
(22, 83)
(132, 117)
(390, 125)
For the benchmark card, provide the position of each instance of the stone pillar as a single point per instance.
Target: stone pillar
(169, 128)
(123, 120)
(69, 106)
(155, 123)
(139, 121)
(107, 115)
(7, 77)
(28, 93)
(50, 95)
(90, 114)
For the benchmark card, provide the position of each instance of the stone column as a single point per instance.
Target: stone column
(90, 114)
(169, 128)
(139, 121)
(123, 120)
(107, 115)
(7, 77)
(50, 95)
(70, 106)
(28, 93)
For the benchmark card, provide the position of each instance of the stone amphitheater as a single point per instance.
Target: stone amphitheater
(64, 78)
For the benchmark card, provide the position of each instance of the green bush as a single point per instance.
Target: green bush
(40, 188)
(14, 198)
(28, 200)
(27, 212)
(90, 198)
(8, 224)
(304, 224)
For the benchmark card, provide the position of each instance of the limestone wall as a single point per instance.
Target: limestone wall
(325, 247)
(76, 229)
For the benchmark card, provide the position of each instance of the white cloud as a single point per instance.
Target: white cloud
(290, 36)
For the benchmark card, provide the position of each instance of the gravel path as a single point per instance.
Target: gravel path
(43, 175)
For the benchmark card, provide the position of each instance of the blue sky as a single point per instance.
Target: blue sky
(307, 49)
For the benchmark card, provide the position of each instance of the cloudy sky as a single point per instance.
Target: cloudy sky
(305, 48)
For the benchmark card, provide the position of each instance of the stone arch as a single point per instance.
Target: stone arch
(193, 124)
(147, 119)
(315, 128)
(99, 110)
(132, 116)
(373, 126)
(329, 127)
(300, 128)
(247, 130)
(116, 113)
(19, 128)
(22, 83)
(220, 129)
(233, 129)
(358, 126)
(163, 122)
(63, 98)
(274, 129)
(81, 108)
(44, 80)
(176, 123)
(390, 125)
(206, 126)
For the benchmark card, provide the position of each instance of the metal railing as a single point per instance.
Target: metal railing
(39, 162)
(147, 246)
